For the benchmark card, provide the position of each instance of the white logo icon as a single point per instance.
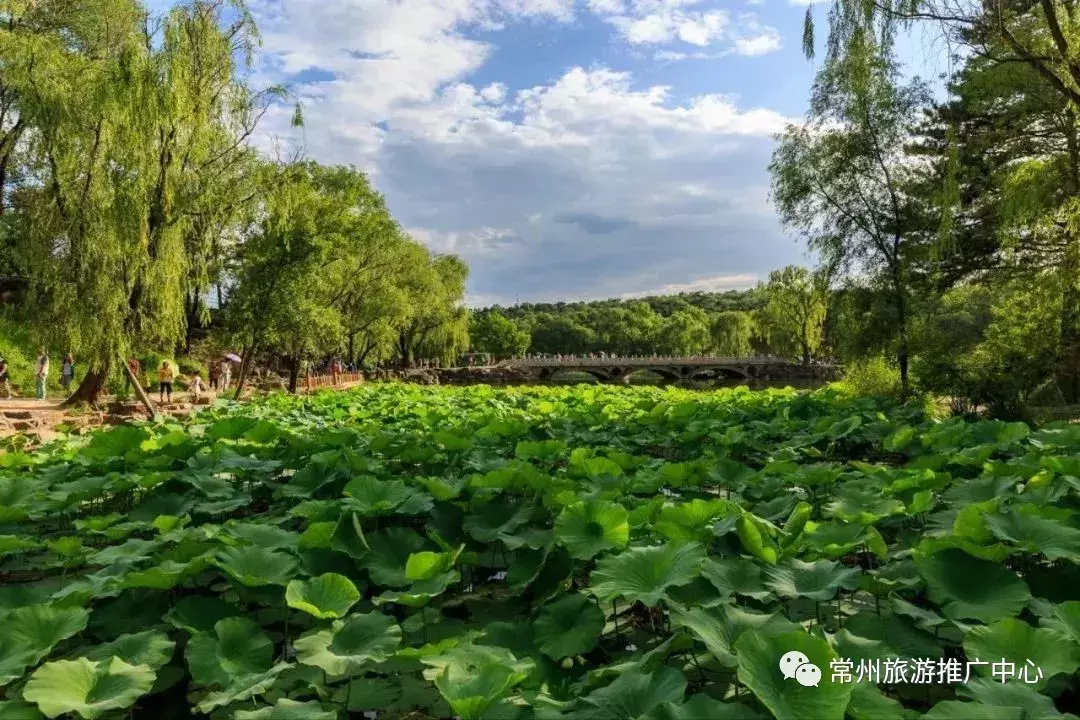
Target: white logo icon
(796, 665)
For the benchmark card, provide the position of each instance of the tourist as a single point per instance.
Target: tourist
(196, 387)
(133, 367)
(215, 370)
(335, 371)
(5, 380)
(226, 374)
(165, 378)
(67, 372)
(41, 373)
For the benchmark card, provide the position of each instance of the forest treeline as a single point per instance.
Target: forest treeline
(782, 317)
(133, 198)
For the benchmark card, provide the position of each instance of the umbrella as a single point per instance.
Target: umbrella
(232, 357)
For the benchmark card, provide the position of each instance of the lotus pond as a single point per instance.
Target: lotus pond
(591, 552)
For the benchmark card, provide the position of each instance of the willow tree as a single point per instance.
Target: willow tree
(438, 323)
(794, 312)
(134, 127)
(840, 178)
(733, 333)
(1041, 34)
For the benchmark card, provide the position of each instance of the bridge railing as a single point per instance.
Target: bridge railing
(638, 361)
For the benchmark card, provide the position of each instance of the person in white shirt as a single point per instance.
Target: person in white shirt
(41, 373)
(225, 374)
(196, 386)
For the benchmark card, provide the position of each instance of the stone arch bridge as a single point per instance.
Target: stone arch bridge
(674, 369)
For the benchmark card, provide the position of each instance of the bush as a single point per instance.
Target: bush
(871, 377)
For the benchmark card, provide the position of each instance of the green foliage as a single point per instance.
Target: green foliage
(871, 377)
(494, 333)
(795, 303)
(585, 554)
(989, 348)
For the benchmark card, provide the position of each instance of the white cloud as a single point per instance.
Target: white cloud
(712, 283)
(663, 22)
(470, 242)
(587, 185)
(762, 44)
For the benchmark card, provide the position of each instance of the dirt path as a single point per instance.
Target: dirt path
(39, 418)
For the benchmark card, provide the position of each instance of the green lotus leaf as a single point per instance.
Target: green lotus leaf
(703, 707)
(1027, 527)
(755, 540)
(645, 574)
(419, 594)
(326, 596)
(28, 634)
(870, 636)
(348, 537)
(924, 619)
(370, 496)
(497, 518)
(970, 588)
(197, 613)
(286, 709)
(369, 693)
(759, 669)
(1017, 642)
(389, 551)
(165, 576)
(12, 544)
(129, 551)
(86, 688)
(267, 536)
(316, 536)
(720, 627)
(587, 529)
(1065, 619)
(956, 710)
(635, 693)
(471, 692)
(242, 688)
(569, 626)
(869, 703)
(819, 580)
(1018, 695)
(863, 503)
(150, 647)
(735, 576)
(429, 565)
(18, 710)
(255, 566)
(237, 647)
(351, 643)
(693, 521)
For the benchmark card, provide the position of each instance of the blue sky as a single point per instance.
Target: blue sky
(566, 149)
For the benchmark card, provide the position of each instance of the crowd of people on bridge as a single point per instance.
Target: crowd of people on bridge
(556, 357)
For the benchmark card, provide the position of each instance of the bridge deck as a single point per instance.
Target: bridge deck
(643, 362)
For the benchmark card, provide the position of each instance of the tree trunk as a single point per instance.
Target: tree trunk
(245, 363)
(90, 389)
(1069, 367)
(901, 320)
(294, 373)
(352, 346)
(368, 347)
(143, 397)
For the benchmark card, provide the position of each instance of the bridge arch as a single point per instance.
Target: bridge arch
(716, 373)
